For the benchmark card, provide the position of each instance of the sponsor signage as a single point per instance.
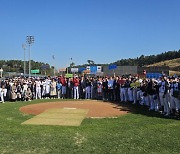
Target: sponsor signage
(74, 70)
(99, 69)
(88, 68)
(62, 70)
(81, 69)
(153, 75)
(93, 69)
(68, 75)
(35, 71)
(112, 67)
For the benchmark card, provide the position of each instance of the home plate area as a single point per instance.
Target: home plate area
(70, 113)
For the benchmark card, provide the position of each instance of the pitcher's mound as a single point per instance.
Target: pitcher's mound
(58, 117)
(97, 109)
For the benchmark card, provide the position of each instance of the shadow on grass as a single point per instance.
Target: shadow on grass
(140, 109)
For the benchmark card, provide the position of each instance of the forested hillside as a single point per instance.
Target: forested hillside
(174, 65)
(147, 60)
(18, 66)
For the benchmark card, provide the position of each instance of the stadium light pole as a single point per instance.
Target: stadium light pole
(30, 41)
(53, 57)
(69, 65)
(1, 71)
(24, 47)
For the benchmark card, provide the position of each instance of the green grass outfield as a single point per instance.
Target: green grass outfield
(138, 132)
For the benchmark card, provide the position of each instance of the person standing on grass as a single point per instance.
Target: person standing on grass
(136, 90)
(129, 89)
(88, 88)
(69, 88)
(24, 89)
(76, 87)
(2, 94)
(94, 88)
(105, 89)
(156, 96)
(174, 95)
(116, 87)
(110, 89)
(32, 85)
(59, 90)
(163, 95)
(99, 89)
(91, 90)
(19, 92)
(151, 91)
(47, 87)
(122, 89)
(82, 87)
(28, 94)
(13, 92)
(145, 94)
(43, 88)
(38, 89)
(4, 89)
(63, 81)
(8, 87)
(53, 92)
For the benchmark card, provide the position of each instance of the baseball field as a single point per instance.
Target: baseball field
(135, 130)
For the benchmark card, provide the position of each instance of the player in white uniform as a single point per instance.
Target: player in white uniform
(2, 92)
(43, 88)
(38, 88)
(47, 84)
(163, 96)
(174, 94)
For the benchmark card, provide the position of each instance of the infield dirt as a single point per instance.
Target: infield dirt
(97, 109)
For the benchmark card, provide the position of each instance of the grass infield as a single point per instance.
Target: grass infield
(138, 132)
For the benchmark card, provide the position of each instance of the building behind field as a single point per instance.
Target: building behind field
(134, 70)
(120, 70)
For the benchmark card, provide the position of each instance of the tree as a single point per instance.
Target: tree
(72, 64)
(18, 66)
(90, 62)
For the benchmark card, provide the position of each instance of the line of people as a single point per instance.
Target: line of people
(161, 95)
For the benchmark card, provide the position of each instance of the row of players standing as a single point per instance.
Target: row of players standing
(160, 95)
(157, 94)
(22, 89)
(59, 87)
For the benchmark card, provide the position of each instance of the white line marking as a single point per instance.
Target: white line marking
(70, 108)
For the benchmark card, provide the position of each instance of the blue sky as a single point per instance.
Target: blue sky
(101, 30)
